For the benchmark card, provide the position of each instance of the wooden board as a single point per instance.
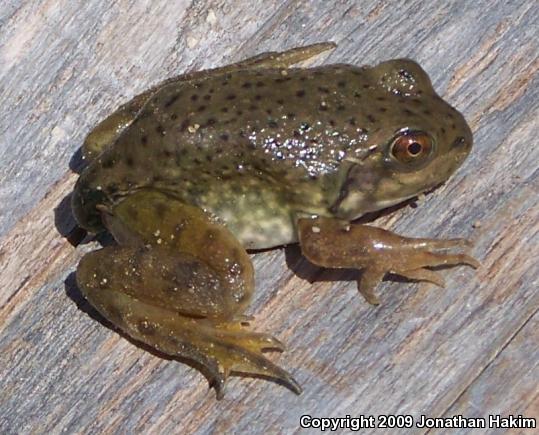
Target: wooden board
(65, 64)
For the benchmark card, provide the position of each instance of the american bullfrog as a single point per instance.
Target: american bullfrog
(258, 154)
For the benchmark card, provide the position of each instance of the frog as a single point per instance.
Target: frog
(193, 174)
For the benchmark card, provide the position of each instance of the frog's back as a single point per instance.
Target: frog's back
(303, 118)
(244, 131)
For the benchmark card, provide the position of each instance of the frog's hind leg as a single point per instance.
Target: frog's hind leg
(179, 282)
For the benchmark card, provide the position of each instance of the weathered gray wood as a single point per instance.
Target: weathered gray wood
(65, 64)
(518, 366)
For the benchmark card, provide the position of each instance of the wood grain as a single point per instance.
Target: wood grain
(65, 64)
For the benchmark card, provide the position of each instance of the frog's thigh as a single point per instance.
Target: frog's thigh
(178, 281)
(337, 244)
(184, 233)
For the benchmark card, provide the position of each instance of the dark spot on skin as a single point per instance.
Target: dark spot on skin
(129, 161)
(442, 130)
(239, 112)
(161, 209)
(454, 126)
(224, 109)
(197, 161)
(341, 84)
(174, 116)
(332, 122)
(297, 134)
(381, 98)
(201, 108)
(133, 213)
(366, 86)
(207, 97)
(108, 163)
(300, 93)
(172, 100)
(340, 107)
(167, 154)
(246, 85)
(382, 109)
(260, 84)
(352, 121)
(279, 80)
(194, 97)
(211, 235)
(427, 112)
(258, 97)
(211, 121)
(408, 112)
(272, 124)
(159, 129)
(231, 97)
(280, 101)
(184, 125)
(146, 328)
(180, 226)
(371, 118)
(290, 115)
(269, 111)
(144, 140)
(157, 179)
(224, 137)
(357, 95)
(323, 89)
(253, 107)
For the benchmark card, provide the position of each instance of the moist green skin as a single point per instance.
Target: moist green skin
(258, 147)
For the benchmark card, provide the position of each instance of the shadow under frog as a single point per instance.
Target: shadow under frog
(188, 176)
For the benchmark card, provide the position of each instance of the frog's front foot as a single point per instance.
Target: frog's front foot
(337, 244)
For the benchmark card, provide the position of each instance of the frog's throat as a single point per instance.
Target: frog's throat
(358, 204)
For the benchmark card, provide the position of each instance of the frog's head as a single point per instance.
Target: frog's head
(415, 142)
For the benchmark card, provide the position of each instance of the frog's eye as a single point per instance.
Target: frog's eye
(411, 146)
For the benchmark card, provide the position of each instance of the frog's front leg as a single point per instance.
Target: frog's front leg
(179, 281)
(337, 244)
